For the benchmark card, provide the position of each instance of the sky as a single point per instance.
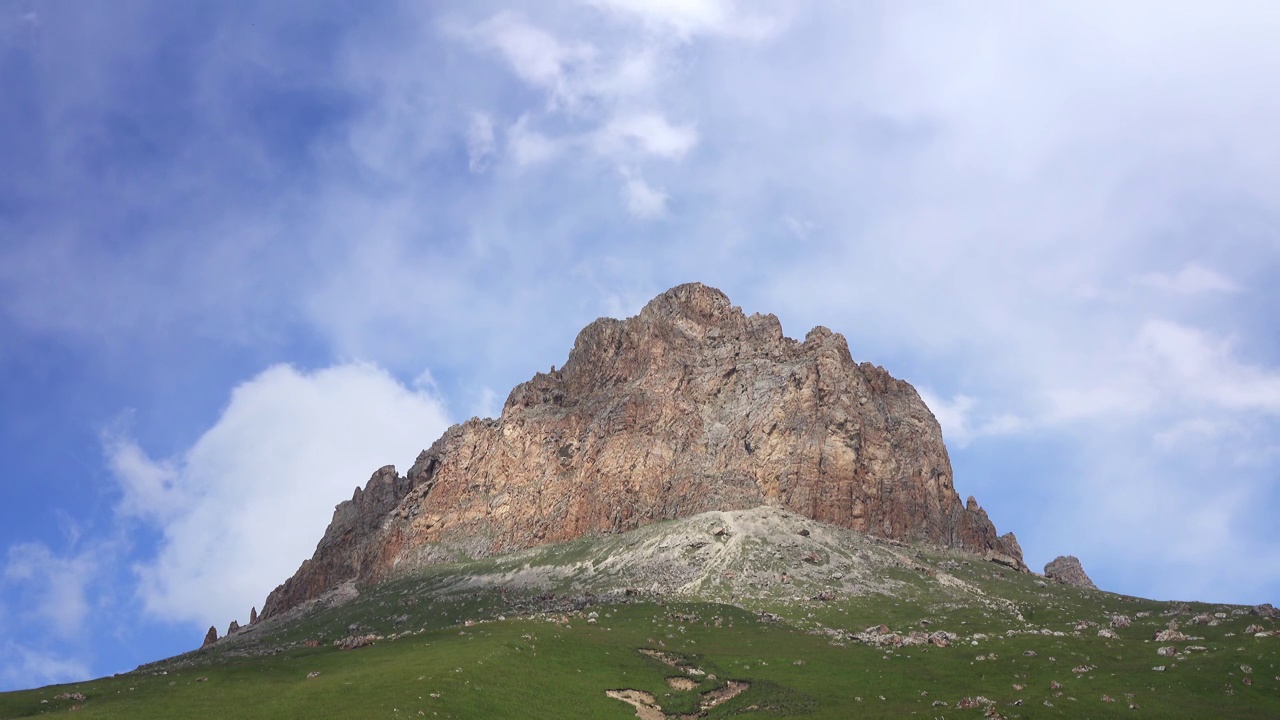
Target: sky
(252, 252)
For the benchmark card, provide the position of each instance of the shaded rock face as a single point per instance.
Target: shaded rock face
(1066, 569)
(210, 637)
(689, 406)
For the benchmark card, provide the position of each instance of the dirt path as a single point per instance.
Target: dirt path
(646, 707)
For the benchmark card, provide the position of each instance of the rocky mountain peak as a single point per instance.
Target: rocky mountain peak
(688, 407)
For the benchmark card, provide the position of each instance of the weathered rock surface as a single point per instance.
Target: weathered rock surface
(1067, 570)
(689, 406)
(210, 637)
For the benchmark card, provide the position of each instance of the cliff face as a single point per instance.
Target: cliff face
(690, 406)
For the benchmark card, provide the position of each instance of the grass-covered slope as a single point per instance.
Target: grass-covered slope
(713, 616)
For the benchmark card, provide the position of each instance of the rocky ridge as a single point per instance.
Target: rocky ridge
(690, 406)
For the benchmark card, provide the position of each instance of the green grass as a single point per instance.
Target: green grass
(559, 665)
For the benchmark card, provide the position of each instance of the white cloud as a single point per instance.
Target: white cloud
(1192, 279)
(650, 133)
(480, 142)
(960, 422)
(53, 587)
(150, 487)
(530, 147)
(1191, 365)
(688, 18)
(260, 485)
(643, 200)
(538, 57)
(23, 667)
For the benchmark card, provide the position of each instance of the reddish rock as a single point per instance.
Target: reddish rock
(690, 406)
(253, 615)
(210, 637)
(234, 627)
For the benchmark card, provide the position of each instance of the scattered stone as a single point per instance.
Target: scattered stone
(1108, 698)
(1264, 610)
(1167, 651)
(313, 674)
(1108, 633)
(202, 679)
(1169, 636)
(1158, 668)
(1254, 629)
(1248, 680)
(70, 696)
(351, 642)
(1202, 619)
(804, 532)
(1055, 685)
(1247, 670)
(940, 703)
(1029, 653)
(1120, 621)
(1067, 570)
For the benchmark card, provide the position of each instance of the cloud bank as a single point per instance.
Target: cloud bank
(241, 509)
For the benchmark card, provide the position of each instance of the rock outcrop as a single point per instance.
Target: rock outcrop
(689, 406)
(253, 615)
(210, 637)
(1067, 570)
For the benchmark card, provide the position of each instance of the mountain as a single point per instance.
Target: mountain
(690, 406)
(695, 517)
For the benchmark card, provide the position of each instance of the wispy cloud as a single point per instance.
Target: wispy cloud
(53, 587)
(1192, 279)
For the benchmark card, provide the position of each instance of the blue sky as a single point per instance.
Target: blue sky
(250, 254)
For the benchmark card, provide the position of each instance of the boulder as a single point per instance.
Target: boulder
(1067, 570)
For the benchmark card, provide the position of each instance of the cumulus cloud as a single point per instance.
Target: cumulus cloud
(258, 488)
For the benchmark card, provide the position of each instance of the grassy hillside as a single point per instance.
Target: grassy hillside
(722, 633)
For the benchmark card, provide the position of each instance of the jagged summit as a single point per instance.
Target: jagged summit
(688, 407)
